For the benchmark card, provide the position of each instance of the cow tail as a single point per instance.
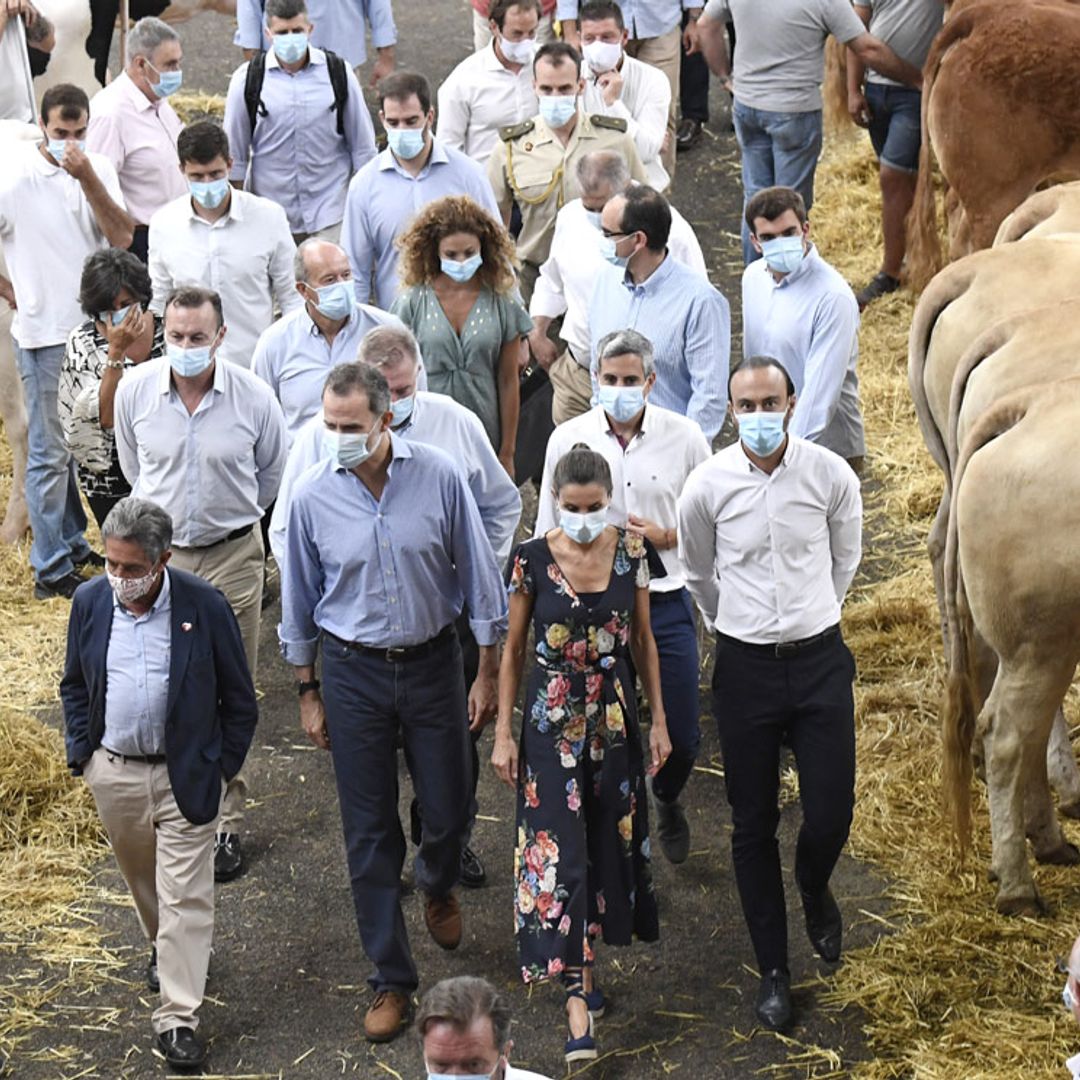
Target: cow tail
(834, 88)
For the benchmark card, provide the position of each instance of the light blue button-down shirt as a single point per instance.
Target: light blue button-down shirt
(643, 18)
(809, 321)
(689, 325)
(293, 358)
(382, 200)
(137, 674)
(338, 25)
(390, 572)
(297, 157)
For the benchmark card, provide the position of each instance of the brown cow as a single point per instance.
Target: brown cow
(999, 113)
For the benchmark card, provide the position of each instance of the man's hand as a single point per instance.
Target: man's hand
(483, 697)
(9, 9)
(75, 162)
(7, 292)
(504, 756)
(130, 328)
(688, 37)
(657, 535)
(543, 349)
(611, 84)
(859, 108)
(313, 719)
(384, 64)
(691, 38)
(506, 460)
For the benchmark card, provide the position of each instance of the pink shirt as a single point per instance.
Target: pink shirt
(139, 137)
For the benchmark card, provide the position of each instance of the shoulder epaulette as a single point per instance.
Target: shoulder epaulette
(615, 123)
(515, 131)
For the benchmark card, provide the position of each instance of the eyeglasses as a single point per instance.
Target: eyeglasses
(613, 235)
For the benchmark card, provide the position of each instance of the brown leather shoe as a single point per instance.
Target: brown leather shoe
(443, 917)
(386, 1016)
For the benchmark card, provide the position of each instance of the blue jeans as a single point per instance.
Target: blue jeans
(895, 125)
(367, 699)
(672, 620)
(778, 148)
(52, 491)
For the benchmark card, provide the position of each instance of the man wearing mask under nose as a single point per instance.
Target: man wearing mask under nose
(534, 165)
(414, 169)
(295, 354)
(770, 535)
(230, 241)
(797, 308)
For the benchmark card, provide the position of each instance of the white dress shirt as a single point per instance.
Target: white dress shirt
(47, 229)
(809, 321)
(246, 256)
(214, 470)
(480, 96)
(139, 137)
(769, 557)
(522, 1074)
(643, 104)
(569, 274)
(438, 421)
(646, 476)
(293, 357)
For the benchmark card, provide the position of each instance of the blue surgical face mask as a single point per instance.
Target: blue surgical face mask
(583, 528)
(406, 143)
(336, 300)
(593, 218)
(210, 193)
(783, 253)
(762, 432)
(347, 448)
(402, 410)
(116, 317)
(461, 271)
(557, 109)
(622, 403)
(189, 362)
(290, 47)
(460, 1076)
(57, 147)
(168, 81)
(607, 249)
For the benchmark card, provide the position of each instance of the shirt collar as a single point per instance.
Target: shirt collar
(438, 156)
(162, 603)
(790, 454)
(134, 96)
(603, 424)
(655, 280)
(804, 269)
(165, 383)
(235, 211)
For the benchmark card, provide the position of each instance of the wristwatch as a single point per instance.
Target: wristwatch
(302, 687)
(115, 364)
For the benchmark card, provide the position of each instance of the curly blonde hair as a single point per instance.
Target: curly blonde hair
(419, 243)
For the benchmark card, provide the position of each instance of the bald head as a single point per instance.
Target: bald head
(320, 262)
(602, 175)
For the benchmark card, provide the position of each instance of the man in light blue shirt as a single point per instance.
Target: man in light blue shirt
(800, 311)
(685, 318)
(295, 353)
(301, 153)
(412, 171)
(337, 25)
(383, 549)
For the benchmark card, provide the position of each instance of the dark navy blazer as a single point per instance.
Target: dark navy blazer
(211, 709)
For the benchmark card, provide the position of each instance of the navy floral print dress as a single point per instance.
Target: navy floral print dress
(582, 853)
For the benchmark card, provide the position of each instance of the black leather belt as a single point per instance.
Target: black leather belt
(783, 649)
(146, 759)
(236, 534)
(584, 366)
(398, 654)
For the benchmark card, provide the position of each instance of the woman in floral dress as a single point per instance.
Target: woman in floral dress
(582, 855)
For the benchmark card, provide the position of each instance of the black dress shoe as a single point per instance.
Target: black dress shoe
(472, 874)
(152, 979)
(91, 559)
(774, 1000)
(182, 1047)
(65, 587)
(824, 924)
(673, 831)
(688, 134)
(228, 858)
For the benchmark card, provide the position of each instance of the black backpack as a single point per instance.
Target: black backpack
(256, 72)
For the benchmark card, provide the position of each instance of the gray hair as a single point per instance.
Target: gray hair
(626, 343)
(345, 379)
(284, 9)
(460, 1002)
(387, 346)
(142, 522)
(603, 170)
(39, 30)
(146, 35)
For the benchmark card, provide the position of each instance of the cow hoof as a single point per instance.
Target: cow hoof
(1020, 905)
(1071, 810)
(1065, 854)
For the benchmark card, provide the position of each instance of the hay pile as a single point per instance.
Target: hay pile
(955, 990)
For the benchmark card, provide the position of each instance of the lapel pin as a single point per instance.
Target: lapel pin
(185, 626)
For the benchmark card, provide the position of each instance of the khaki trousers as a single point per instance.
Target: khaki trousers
(545, 32)
(168, 864)
(236, 568)
(663, 52)
(571, 389)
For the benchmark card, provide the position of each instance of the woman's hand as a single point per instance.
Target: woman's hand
(659, 744)
(126, 332)
(504, 756)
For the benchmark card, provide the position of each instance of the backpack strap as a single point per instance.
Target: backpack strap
(339, 82)
(253, 82)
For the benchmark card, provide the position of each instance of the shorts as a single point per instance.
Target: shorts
(895, 125)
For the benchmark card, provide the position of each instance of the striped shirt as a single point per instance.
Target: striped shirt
(689, 325)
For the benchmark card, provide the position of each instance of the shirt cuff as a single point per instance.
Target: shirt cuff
(299, 653)
(488, 631)
(382, 36)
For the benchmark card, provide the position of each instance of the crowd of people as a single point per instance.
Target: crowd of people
(282, 334)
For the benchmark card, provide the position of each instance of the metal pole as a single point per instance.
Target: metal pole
(125, 21)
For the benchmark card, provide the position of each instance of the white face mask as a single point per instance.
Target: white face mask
(583, 528)
(602, 56)
(518, 52)
(129, 589)
(432, 1075)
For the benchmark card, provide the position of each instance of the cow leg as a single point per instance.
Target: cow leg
(13, 414)
(984, 665)
(1061, 767)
